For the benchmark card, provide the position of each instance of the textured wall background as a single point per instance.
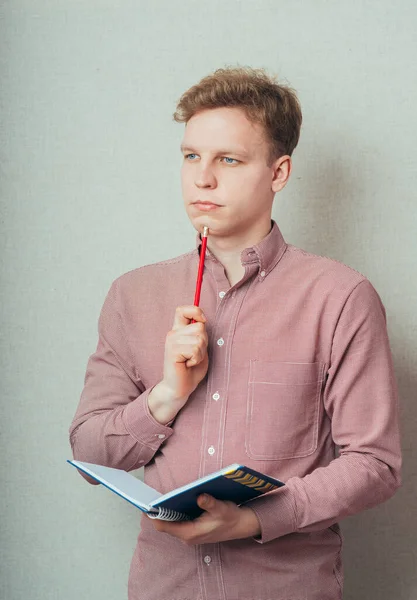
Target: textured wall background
(89, 164)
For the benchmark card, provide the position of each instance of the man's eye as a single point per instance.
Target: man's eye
(189, 155)
(228, 159)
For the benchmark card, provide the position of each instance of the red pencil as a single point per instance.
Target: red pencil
(200, 269)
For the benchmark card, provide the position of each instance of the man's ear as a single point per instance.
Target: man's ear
(281, 171)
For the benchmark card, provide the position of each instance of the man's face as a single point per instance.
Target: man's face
(225, 162)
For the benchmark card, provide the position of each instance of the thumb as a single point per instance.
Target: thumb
(207, 502)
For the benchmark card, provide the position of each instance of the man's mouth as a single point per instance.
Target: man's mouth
(205, 206)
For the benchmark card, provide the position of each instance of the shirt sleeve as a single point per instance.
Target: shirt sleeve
(112, 425)
(361, 399)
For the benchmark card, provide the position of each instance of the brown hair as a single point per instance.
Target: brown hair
(264, 101)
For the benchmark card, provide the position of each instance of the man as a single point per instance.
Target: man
(287, 362)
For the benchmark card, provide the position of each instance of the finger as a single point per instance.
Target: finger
(185, 530)
(196, 358)
(182, 347)
(191, 357)
(167, 526)
(183, 333)
(158, 524)
(184, 314)
(208, 503)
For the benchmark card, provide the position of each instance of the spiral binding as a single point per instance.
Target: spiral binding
(167, 514)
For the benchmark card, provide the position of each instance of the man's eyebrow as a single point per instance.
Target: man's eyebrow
(225, 152)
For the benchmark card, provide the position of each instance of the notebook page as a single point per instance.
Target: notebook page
(121, 482)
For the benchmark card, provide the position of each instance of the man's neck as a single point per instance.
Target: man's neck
(228, 250)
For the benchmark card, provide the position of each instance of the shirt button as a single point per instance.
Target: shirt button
(161, 436)
(207, 559)
(222, 294)
(216, 396)
(263, 273)
(220, 342)
(211, 450)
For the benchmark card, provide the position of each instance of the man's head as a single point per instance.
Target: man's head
(241, 130)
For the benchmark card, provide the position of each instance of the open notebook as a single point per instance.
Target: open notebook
(237, 483)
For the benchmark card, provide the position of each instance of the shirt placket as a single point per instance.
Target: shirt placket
(220, 344)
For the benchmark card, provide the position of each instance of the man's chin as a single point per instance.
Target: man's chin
(218, 227)
(204, 221)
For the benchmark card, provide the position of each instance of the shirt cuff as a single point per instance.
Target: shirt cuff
(142, 425)
(276, 514)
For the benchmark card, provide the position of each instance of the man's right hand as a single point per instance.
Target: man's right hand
(185, 363)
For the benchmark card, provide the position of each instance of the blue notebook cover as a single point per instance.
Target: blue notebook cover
(239, 484)
(235, 482)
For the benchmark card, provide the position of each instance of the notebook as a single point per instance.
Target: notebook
(235, 482)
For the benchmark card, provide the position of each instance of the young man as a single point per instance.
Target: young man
(288, 360)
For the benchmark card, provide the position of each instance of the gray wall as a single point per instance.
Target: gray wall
(89, 164)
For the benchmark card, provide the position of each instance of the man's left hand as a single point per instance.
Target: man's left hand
(220, 521)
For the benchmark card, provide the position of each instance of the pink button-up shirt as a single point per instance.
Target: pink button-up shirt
(299, 366)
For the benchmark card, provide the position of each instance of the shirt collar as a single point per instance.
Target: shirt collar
(266, 254)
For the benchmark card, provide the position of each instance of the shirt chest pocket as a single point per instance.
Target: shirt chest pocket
(283, 406)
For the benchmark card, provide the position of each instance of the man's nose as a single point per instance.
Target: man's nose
(205, 177)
